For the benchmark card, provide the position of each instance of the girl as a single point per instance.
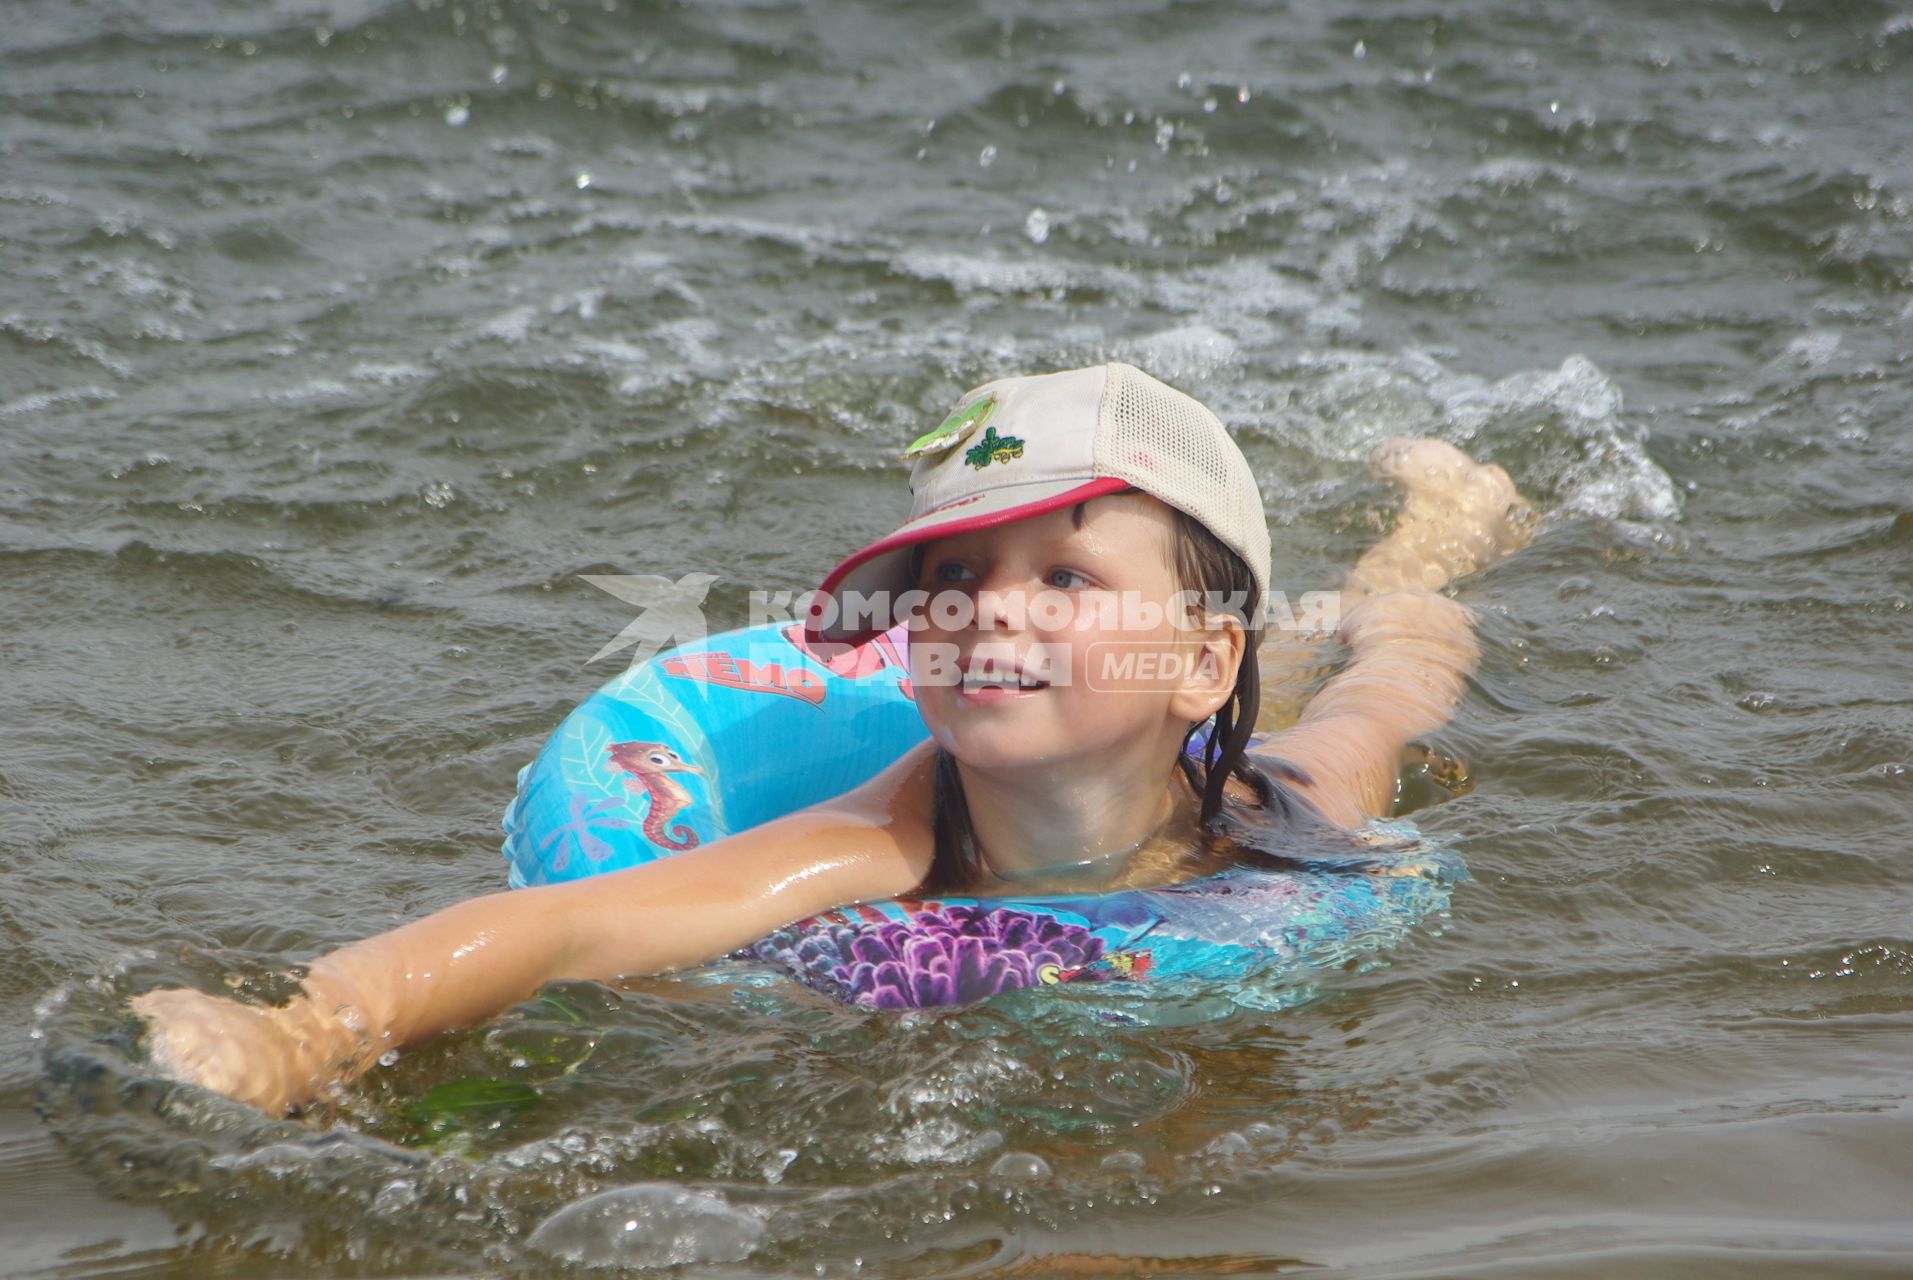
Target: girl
(1059, 522)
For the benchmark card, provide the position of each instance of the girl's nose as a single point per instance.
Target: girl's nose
(1002, 602)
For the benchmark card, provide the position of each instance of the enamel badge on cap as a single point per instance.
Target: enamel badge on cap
(954, 428)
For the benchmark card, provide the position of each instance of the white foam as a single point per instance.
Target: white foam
(970, 273)
(316, 389)
(1813, 349)
(524, 144)
(513, 327)
(613, 351)
(1189, 353)
(1507, 172)
(41, 331)
(43, 400)
(388, 375)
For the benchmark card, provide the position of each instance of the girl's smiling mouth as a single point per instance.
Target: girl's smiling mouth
(995, 678)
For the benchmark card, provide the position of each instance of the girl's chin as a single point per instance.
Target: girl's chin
(1002, 747)
(992, 709)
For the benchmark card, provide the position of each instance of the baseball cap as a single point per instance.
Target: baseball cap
(1021, 447)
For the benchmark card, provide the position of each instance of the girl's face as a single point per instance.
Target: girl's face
(1047, 640)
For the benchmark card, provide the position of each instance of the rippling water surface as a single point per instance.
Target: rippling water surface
(339, 338)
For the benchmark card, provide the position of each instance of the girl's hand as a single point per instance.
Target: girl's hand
(268, 1058)
(1458, 516)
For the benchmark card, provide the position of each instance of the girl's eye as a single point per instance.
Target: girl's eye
(950, 571)
(1065, 579)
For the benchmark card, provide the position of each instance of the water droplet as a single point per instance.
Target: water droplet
(389, 1058)
(583, 180)
(395, 1198)
(649, 1225)
(986, 157)
(1023, 1166)
(456, 116)
(1036, 226)
(1227, 1146)
(499, 73)
(1361, 50)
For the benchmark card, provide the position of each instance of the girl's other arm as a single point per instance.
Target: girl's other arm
(1411, 651)
(465, 963)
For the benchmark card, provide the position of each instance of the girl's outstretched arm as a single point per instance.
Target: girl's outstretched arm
(1411, 650)
(465, 963)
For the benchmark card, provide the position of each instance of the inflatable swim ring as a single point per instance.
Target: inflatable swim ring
(719, 736)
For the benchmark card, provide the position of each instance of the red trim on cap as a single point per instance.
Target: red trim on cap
(949, 529)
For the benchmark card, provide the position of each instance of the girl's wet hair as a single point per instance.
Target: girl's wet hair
(1202, 565)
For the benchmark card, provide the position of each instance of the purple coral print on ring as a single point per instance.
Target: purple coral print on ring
(936, 955)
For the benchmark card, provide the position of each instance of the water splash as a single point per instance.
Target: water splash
(1562, 434)
(1571, 440)
(649, 1225)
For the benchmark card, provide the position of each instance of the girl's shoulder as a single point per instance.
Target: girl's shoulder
(900, 796)
(898, 806)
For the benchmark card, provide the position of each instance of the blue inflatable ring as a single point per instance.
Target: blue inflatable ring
(717, 737)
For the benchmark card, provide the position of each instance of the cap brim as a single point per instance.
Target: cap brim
(880, 573)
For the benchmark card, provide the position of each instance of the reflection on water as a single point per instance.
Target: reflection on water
(342, 340)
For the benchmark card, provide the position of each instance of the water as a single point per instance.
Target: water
(338, 340)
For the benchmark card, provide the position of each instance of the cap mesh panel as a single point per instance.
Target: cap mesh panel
(1169, 446)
